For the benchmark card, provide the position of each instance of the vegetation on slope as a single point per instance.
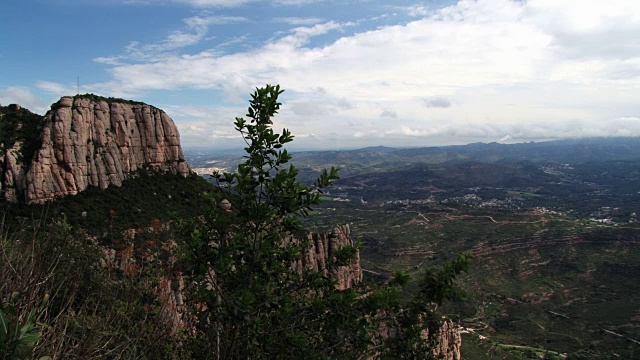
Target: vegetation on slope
(109, 100)
(88, 291)
(529, 266)
(146, 197)
(258, 305)
(60, 300)
(20, 125)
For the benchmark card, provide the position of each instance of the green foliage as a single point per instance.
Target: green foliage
(148, 195)
(252, 301)
(19, 124)
(258, 306)
(109, 100)
(89, 311)
(438, 285)
(18, 336)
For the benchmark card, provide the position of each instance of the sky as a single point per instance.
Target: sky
(355, 73)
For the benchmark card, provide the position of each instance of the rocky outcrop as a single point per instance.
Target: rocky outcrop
(90, 141)
(449, 342)
(448, 337)
(322, 248)
(171, 289)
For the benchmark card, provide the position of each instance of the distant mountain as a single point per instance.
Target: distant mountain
(559, 151)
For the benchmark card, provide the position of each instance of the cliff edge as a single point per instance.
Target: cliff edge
(91, 141)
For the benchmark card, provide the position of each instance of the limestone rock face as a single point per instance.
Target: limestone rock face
(88, 142)
(449, 342)
(322, 248)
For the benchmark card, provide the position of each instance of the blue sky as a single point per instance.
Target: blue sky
(356, 73)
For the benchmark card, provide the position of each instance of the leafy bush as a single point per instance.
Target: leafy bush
(89, 311)
(18, 334)
(253, 304)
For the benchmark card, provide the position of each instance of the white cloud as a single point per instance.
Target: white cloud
(312, 108)
(23, 97)
(513, 69)
(206, 125)
(215, 3)
(298, 20)
(197, 28)
(436, 102)
(110, 60)
(235, 73)
(295, 2)
(56, 89)
(519, 131)
(589, 29)
(389, 113)
(417, 10)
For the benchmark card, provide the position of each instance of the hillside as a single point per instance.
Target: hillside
(111, 243)
(553, 227)
(555, 240)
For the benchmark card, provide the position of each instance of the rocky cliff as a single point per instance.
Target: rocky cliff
(449, 342)
(171, 289)
(91, 141)
(323, 247)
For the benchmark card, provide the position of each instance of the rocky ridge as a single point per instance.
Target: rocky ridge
(92, 141)
(322, 248)
(449, 342)
(171, 289)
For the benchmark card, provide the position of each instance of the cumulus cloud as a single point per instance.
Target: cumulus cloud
(319, 107)
(56, 89)
(416, 10)
(515, 68)
(236, 73)
(206, 125)
(110, 60)
(517, 131)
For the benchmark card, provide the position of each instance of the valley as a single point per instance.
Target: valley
(555, 239)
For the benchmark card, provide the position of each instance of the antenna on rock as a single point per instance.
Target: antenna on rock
(78, 84)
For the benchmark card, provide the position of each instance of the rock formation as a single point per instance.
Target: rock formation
(90, 141)
(449, 342)
(323, 247)
(171, 289)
